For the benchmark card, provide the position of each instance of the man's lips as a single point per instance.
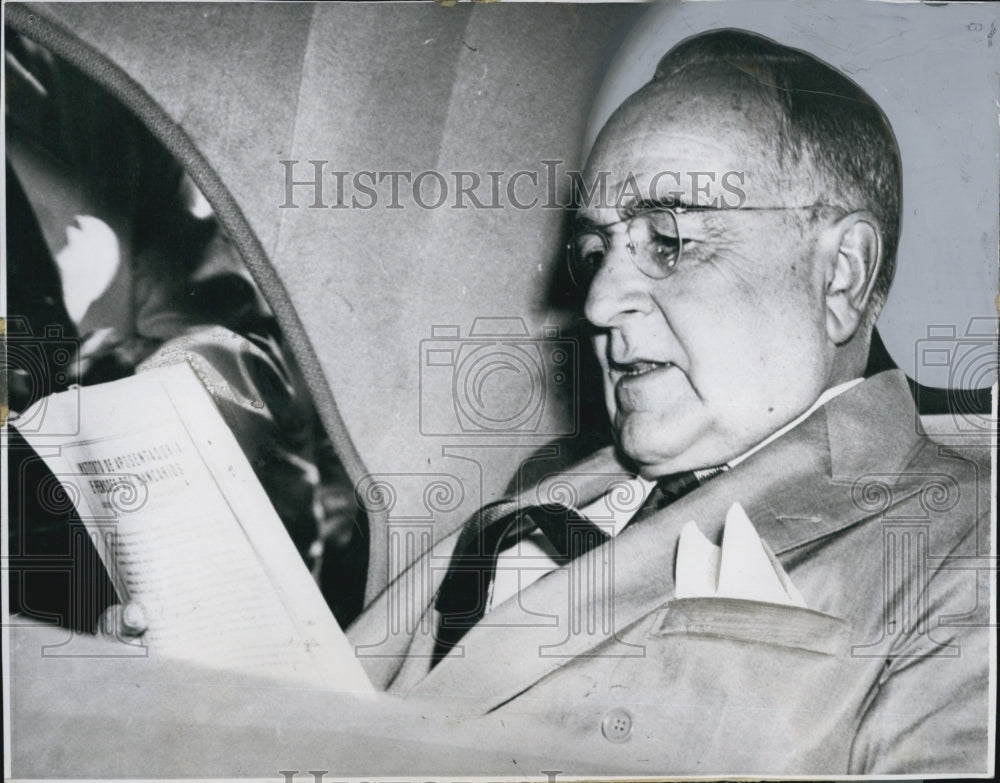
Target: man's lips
(637, 369)
(641, 384)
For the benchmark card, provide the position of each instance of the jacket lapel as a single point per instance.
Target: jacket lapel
(858, 443)
(798, 489)
(396, 658)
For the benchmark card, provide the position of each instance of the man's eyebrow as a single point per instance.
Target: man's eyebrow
(632, 208)
(645, 205)
(584, 223)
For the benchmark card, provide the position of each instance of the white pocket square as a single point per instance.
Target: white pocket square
(743, 567)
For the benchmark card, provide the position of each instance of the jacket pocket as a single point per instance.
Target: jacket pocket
(754, 622)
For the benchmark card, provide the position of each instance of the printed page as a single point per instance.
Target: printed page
(185, 528)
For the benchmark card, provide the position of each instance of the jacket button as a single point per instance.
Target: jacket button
(616, 726)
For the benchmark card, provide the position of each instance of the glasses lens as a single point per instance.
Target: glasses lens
(660, 251)
(654, 242)
(584, 256)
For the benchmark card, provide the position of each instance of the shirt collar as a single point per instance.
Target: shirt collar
(824, 398)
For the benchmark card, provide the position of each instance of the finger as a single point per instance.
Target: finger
(123, 621)
(133, 619)
(110, 620)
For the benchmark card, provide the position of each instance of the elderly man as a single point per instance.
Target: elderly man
(838, 628)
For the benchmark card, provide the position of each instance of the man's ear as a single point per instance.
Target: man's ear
(851, 274)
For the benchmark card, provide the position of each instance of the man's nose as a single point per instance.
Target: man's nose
(618, 290)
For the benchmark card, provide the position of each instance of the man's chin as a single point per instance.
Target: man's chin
(645, 443)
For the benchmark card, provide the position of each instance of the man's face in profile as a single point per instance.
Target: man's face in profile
(703, 364)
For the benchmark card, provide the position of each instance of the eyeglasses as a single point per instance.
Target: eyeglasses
(655, 243)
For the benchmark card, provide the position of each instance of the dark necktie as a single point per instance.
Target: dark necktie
(673, 487)
(465, 592)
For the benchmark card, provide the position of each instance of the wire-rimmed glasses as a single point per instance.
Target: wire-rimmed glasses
(655, 243)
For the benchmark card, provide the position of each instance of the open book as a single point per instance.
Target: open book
(184, 528)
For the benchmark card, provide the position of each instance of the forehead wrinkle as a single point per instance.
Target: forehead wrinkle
(614, 147)
(665, 136)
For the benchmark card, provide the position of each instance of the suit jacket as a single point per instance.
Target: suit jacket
(885, 534)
